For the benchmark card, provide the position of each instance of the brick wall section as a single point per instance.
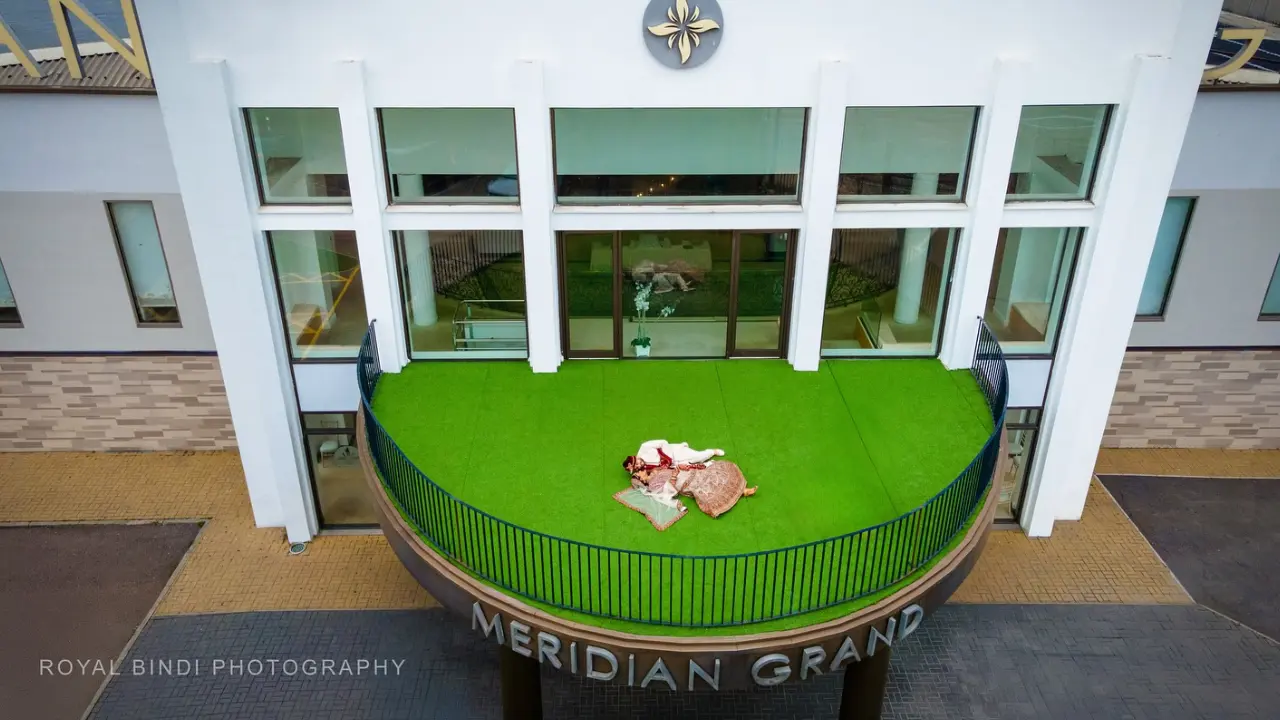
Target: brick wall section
(113, 403)
(1197, 399)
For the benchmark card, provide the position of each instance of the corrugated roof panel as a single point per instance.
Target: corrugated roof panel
(102, 73)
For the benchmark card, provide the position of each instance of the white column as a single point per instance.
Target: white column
(819, 201)
(417, 260)
(989, 176)
(915, 258)
(1148, 134)
(537, 199)
(363, 152)
(202, 123)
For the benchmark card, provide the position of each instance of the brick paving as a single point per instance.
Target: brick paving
(1219, 537)
(1100, 559)
(1170, 662)
(236, 567)
(1173, 462)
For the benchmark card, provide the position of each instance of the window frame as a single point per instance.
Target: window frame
(397, 247)
(124, 267)
(252, 146)
(1052, 352)
(471, 201)
(17, 310)
(1108, 117)
(265, 235)
(944, 293)
(1263, 316)
(963, 187)
(709, 200)
(311, 470)
(1019, 498)
(1177, 260)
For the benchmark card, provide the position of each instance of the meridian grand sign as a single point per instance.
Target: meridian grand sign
(686, 672)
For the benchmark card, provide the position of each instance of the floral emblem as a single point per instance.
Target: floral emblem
(684, 29)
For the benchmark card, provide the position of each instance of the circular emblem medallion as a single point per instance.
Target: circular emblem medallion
(683, 34)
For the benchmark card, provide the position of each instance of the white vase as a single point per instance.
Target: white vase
(642, 350)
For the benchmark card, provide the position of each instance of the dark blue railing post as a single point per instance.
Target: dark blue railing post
(652, 588)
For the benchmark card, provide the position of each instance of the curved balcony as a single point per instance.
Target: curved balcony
(615, 586)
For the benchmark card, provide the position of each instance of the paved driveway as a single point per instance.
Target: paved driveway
(1219, 536)
(76, 593)
(1111, 662)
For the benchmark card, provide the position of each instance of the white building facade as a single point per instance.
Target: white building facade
(860, 179)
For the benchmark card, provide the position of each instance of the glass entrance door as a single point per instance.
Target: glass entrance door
(675, 294)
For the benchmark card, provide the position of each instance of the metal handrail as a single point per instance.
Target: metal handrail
(654, 588)
(460, 323)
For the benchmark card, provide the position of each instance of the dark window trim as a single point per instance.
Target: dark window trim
(397, 246)
(781, 201)
(315, 490)
(284, 322)
(962, 188)
(1266, 316)
(618, 352)
(109, 353)
(1205, 348)
(1066, 301)
(257, 171)
(124, 266)
(1103, 137)
(1016, 502)
(386, 166)
(11, 325)
(953, 241)
(1158, 316)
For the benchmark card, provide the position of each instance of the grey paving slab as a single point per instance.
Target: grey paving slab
(967, 662)
(74, 594)
(1219, 536)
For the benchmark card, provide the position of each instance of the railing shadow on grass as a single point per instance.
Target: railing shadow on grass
(686, 590)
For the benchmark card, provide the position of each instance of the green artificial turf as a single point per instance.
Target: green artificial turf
(853, 445)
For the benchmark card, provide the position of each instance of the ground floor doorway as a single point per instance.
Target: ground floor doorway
(675, 294)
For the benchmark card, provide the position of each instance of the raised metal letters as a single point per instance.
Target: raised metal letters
(489, 626)
(659, 671)
(779, 676)
(811, 659)
(549, 649)
(594, 652)
(520, 639)
(1255, 36)
(696, 669)
(886, 637)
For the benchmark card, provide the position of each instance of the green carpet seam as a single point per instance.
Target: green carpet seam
(475, 422)
(826, 365)
(728, 423)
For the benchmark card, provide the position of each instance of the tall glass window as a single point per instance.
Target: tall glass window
(342, 494)
(886, 291)
(8, 305)
(1029, 287)
(463, 293)
(298, 155)
(1022, 425)
(450, 155)
(145, 270)
(1056, 153)
(906, 153)
(673, 155)
(1271, 302)
(1164, 257)
(321, 292)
